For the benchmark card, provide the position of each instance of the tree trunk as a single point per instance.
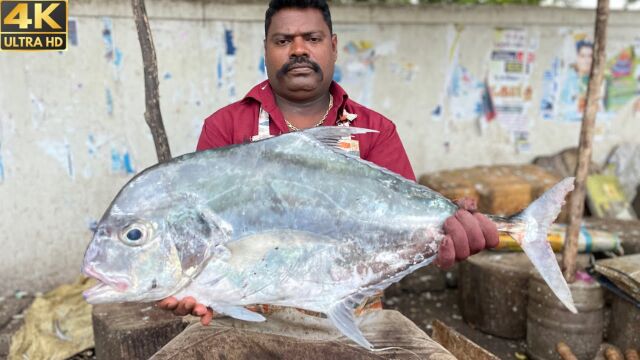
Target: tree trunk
(576, 203)
(152, 95)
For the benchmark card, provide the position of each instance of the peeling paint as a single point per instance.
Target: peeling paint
(109, 100)
(1, 165)
(92, 149)
(61, 152)
(121, 163)
(117, 60)
(73, 31)
(107, 28)
(38, 113)
(262, 68)
(1, 159)
(112, 53)
(228, 40)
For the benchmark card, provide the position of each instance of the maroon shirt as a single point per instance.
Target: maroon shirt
(238, 122)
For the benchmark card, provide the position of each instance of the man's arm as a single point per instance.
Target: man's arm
(216, 132)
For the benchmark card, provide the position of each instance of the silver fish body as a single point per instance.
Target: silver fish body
(289, 221)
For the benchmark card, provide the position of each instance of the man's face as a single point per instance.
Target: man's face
(300, 54)
(584, 59)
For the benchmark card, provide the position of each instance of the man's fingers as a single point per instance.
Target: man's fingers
(472, 230)
(185, 307)
(199, 310)
(489, 230)
(456, 231)
(469, 204)
(169, 303)
(206, 318)
(446, 253)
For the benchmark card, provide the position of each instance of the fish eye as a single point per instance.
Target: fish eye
(135, 234)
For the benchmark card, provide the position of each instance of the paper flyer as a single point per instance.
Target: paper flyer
(511, 64)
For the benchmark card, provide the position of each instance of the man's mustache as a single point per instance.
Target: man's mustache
(300, 61)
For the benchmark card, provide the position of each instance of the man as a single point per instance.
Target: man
(300, 54)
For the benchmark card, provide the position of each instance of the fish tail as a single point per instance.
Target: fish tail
(530, 228)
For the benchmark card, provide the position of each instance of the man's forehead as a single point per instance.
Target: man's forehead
(290, 21)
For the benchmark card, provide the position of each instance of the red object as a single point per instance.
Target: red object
(238, 122)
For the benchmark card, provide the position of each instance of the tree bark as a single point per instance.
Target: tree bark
(152, 113)
(576, 203)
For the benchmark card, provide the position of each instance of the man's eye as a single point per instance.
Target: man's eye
(315, 39)
(282, 42)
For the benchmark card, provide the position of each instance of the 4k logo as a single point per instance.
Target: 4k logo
(33, 24)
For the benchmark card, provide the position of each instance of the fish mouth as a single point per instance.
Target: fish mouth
(99, 294)
(106, 290)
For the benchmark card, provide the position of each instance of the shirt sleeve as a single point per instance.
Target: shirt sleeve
(387, 151)
(216, 132)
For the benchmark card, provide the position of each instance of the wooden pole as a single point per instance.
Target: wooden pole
(152, 114)
(576, 202)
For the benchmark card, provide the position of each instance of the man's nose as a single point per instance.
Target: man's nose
(299, 47)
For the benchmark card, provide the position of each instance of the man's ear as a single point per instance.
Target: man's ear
(334, 46)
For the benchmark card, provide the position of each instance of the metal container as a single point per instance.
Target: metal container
(549, 322)
(493, 293)
(624, 325)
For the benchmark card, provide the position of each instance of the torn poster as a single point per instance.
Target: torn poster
(565, 82)
(465, 95)
(357, 70)
(121, 162)
(38, 111)
(61, 152)
(453, 51)
(622, 79)
(522, 142)
(112, 53)
(404, 70)
(511, 64)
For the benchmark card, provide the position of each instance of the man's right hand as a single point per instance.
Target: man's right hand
(187, 306)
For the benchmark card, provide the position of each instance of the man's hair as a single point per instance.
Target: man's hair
(583, 43)
(277, 5)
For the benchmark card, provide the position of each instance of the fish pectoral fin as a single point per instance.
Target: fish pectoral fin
(341, 315)
(238, 312)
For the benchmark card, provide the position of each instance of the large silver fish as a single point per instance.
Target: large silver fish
(289, 221)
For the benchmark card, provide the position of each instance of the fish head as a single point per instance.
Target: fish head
(151, 242)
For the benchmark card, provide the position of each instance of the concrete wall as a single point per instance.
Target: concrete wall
(72, 130)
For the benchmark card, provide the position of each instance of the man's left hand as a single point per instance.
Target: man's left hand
(466, 232)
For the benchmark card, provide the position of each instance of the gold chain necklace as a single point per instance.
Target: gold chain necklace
(293, 128)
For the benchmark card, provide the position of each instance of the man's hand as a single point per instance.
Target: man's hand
(187, 306)
(466, 233)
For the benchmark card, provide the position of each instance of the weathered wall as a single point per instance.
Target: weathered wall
(72, 129)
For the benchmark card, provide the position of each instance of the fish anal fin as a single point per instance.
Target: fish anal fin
(238, 312)
(341, 315)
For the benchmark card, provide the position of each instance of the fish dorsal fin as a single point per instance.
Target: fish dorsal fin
(238, 312)
(341, 315)
(331, 135)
